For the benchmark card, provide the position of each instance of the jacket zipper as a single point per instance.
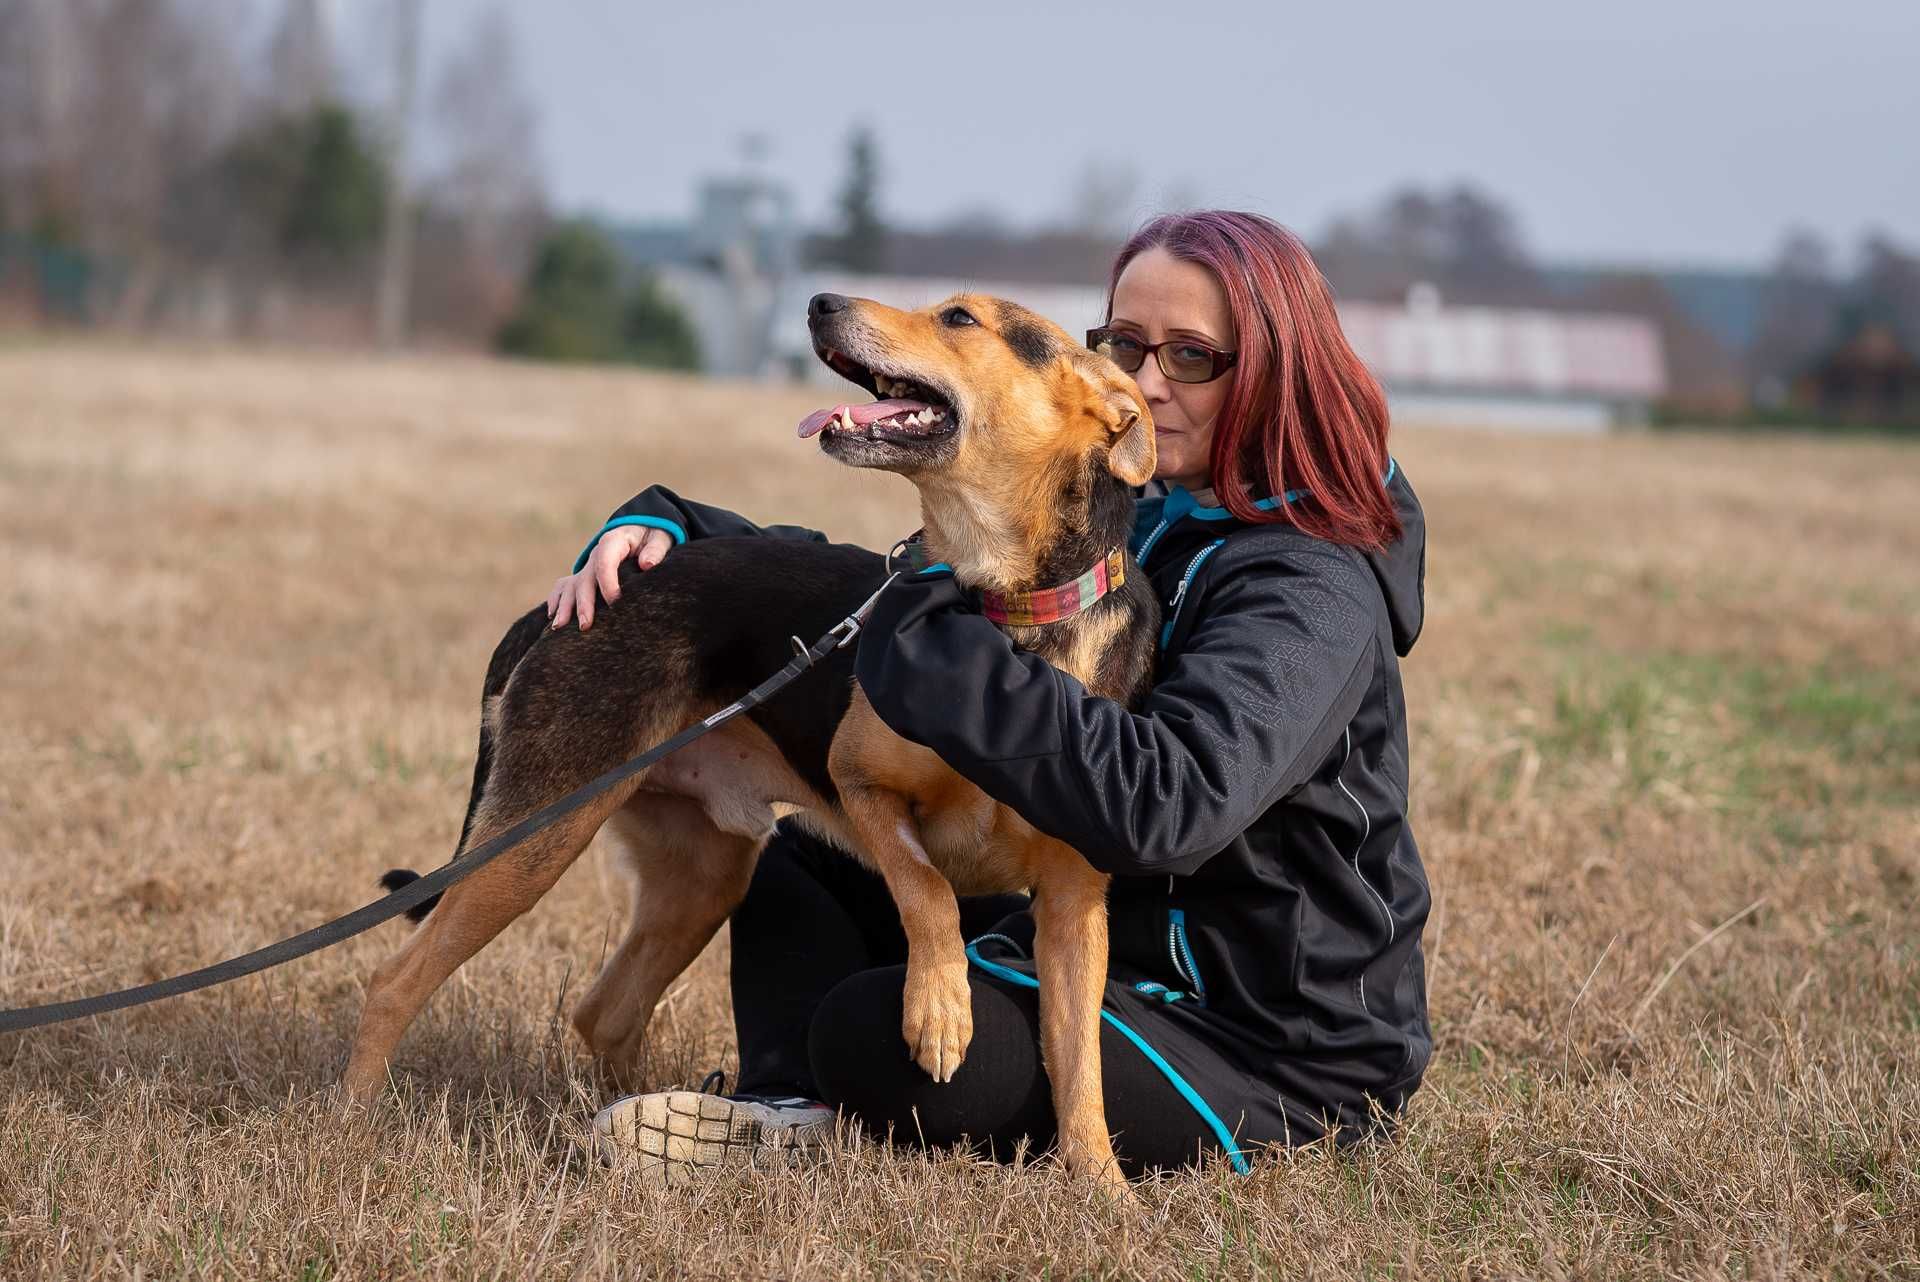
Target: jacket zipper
(1180, 593)
(1146, 544)
(1182, 953)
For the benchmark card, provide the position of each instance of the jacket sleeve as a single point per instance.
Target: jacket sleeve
(1275, 666)
(660, 508)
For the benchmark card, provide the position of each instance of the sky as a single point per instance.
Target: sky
(1689, 132)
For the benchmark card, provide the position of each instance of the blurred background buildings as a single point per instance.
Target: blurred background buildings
(341, 172)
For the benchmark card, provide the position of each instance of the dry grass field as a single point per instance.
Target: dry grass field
(1666, 724)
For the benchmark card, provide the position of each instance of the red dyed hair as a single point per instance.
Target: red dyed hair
(1304, 413)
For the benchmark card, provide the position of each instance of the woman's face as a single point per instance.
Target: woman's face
(1159, 297)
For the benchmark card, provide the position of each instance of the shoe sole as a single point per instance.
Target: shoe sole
(672, 1136)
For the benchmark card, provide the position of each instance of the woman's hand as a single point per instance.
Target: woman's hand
(573, 595)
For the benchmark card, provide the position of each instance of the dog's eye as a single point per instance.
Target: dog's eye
(957, 317)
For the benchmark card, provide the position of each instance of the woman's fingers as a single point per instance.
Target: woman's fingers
(655, 545)
(574, 597)
(607, 556)
(585, 592)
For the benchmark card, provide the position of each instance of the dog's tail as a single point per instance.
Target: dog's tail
(513, 647)
(399, 877)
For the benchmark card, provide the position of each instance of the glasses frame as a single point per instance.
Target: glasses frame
(1222, 360)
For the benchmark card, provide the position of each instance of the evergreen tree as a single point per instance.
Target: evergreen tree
(863, 236)
(577, 307)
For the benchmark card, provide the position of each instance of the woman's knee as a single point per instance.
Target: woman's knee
(854, 1042)
(860, 1063)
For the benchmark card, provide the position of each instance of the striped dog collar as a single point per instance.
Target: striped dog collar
(1048, 605)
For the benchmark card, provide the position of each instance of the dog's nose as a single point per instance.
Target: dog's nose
(825, 305)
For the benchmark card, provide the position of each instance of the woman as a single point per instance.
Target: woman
(1266, 983)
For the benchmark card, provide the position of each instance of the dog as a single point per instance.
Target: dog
(1025, 448)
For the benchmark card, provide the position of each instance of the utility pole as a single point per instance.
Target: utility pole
(396, 249)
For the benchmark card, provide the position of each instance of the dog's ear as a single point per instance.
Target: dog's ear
(1131, 457)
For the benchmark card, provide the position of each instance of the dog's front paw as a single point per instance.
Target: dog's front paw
(938, 1017)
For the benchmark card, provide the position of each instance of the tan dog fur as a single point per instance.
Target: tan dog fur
(691, 828)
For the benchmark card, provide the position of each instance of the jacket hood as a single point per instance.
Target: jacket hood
(1401, 567)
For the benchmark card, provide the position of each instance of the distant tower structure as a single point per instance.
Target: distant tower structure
(745, 228)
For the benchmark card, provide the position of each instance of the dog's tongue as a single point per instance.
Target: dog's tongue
(816, 422)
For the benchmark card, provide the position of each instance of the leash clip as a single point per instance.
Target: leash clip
(850, 627)
(846, 630)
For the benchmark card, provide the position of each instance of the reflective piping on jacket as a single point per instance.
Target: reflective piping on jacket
(1180, 593)
(651, 522)
(1366, 832)
(1234, 1152)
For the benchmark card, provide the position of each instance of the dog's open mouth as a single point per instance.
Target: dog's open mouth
(906, 411)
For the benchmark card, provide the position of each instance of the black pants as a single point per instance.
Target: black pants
(818, 971)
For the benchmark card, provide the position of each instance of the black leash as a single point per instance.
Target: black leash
(415, 892)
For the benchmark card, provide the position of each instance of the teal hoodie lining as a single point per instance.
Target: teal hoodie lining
(1155, 516)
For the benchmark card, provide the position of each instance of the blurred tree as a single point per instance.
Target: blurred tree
(486, 194)
(1104, 200)
(1886, 288)
(576, 308)
(300, 59)
(1703, 378)
(861, 244)
(311, 185)
(655, 332)
(1463, 240)
(339, 189)
(191, 156)
(1798, 314)
(570, 310)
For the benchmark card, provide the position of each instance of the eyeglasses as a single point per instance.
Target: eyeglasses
(1181, 359)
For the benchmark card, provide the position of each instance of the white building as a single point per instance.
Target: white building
(1462, 366)
(734, 272)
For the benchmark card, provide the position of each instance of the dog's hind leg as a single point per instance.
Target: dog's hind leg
(1070, 956)
(474, 911)
(688, 876)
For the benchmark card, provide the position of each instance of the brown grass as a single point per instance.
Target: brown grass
(1667, 766)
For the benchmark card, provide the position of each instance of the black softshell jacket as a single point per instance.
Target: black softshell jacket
(1268, 896)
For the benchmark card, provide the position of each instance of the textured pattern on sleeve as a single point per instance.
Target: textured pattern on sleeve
(1251, 703)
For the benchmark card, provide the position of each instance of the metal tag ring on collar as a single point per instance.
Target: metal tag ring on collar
(903, 553)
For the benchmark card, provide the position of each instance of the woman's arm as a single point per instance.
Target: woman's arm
(645, 528)
(1276, 664)
(659, 508)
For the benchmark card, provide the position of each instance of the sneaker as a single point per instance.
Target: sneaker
(673, 1134)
